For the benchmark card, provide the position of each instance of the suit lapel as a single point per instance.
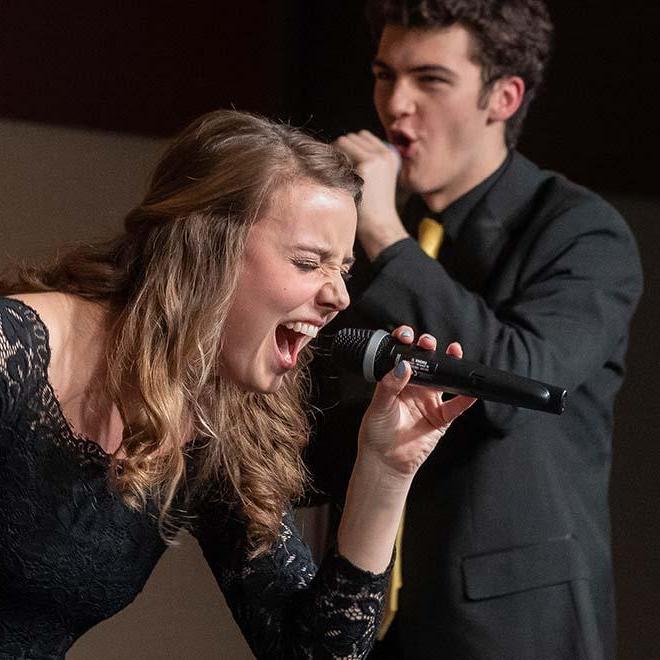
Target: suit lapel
(478, 247)
(487, 230)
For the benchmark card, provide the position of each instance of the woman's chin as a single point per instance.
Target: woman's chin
(273, 385)
(264, 385)
(257, 380)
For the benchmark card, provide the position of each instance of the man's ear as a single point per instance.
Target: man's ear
(505, 98)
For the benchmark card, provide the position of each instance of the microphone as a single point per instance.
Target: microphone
(395, 151)
(375, 352)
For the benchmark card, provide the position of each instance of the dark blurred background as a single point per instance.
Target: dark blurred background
(147, 68)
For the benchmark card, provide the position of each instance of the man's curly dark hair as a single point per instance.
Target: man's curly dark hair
(511, 38)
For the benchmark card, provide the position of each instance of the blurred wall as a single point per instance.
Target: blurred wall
(635, 483)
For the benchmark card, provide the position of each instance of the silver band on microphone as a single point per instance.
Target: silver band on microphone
(370, 355)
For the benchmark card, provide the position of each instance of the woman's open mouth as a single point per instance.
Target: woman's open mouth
(291, 338)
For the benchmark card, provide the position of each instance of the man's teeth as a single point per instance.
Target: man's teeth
(303, 328)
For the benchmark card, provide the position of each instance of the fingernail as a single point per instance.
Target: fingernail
(406, 333)
(400, 369)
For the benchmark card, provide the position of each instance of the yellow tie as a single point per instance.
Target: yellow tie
(430, 235)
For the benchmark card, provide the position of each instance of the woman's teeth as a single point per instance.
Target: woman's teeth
(303, 328)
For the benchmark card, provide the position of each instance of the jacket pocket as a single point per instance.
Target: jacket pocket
(520, 568)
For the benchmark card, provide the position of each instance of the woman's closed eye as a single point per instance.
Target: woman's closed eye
(308, 266)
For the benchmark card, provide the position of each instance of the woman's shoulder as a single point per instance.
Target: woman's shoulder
(71, 326)
(41, 316)
(24, 350)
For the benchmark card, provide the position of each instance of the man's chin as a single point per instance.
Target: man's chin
(409, 181)
(411, 184)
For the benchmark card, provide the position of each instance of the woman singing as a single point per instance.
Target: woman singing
(155, 382)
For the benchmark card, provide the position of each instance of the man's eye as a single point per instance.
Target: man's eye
(382, 75)
(431, 80)
(346, 275)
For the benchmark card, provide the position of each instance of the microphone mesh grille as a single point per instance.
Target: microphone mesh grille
(349, 345)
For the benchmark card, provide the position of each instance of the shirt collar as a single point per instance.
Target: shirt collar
(455, 215)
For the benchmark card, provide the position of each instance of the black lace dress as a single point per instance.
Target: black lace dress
(72, 554)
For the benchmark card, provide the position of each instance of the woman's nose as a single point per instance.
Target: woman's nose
(334, 294)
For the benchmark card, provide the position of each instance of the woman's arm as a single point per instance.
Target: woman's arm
(400, 429)
(285, 607)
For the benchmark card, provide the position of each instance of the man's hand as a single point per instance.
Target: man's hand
(379, 225)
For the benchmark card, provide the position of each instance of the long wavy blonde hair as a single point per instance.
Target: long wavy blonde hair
(169, 280)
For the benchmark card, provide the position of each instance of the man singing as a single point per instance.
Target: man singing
(505, 542)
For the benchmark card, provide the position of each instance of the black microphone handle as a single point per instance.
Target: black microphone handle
(459, 376)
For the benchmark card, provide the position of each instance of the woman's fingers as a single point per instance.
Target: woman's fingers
(455, 350)
(404, 333)
(427, 342)
(456, 406)
(395, 381)
(392, 384)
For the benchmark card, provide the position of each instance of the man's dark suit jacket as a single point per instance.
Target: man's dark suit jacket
(506, 549)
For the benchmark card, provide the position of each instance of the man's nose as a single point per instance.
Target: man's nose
(401, 99)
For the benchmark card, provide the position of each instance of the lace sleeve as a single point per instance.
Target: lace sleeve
(19, 353)
(285, 607)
